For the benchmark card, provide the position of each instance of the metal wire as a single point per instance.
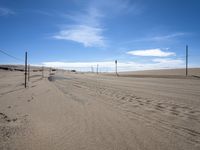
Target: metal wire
(11, 55)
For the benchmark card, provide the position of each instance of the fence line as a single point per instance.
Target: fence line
(16, 58)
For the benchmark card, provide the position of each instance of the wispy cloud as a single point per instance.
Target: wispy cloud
(86, 29)
(160, 38)
(118, 6)
(168, 37)
(90, 16)
(6, 11)
(42, 12)
(151, 52)
(87, 35)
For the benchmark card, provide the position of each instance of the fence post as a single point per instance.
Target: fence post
(186, 70)
(116, 67)
(25, 84)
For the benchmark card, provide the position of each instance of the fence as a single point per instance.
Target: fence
(96, 67)
(27, 70)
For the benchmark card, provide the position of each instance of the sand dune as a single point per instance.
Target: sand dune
(163, 73)
(180, 72)
(89, 111)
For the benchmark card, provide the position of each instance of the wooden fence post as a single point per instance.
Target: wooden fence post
(25, 84)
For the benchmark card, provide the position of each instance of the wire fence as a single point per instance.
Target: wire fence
(96, 67)
(24, 68)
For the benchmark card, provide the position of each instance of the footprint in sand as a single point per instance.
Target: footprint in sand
(5, 118)
(30, 99)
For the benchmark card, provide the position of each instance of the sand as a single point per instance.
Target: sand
(76, 111)
(166, 72)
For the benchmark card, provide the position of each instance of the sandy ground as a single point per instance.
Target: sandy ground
(95, 112)
(163, 73)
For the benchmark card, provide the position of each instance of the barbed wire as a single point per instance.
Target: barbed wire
(16, 58)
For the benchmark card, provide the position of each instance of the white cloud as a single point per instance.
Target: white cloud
(109, 66)
(86, 29)
(86, 35)
(151, 52)
(77, 64)
(6, 11)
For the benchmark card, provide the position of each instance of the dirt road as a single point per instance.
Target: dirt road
(77, 111)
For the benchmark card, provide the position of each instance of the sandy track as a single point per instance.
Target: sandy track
(169, 105)
(99, 112)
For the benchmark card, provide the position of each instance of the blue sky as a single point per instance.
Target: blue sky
(78, 34)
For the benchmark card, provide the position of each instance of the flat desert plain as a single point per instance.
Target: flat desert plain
(76, 111)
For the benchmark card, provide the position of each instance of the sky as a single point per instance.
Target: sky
(79, 34)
